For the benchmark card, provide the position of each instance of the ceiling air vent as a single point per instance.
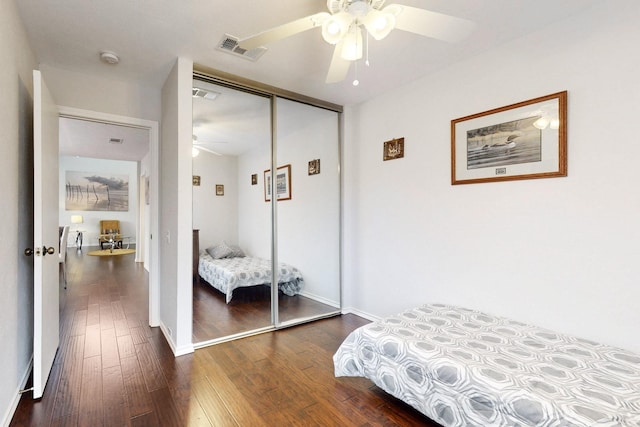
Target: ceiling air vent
(116, 141)
(197, 92)
(229, 44)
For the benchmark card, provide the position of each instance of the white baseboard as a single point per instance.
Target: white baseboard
(368, 316)
(177, 351)
(320, 299)
(11, 410)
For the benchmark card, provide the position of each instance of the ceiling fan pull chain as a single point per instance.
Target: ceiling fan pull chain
(366, 60)
(356, 82)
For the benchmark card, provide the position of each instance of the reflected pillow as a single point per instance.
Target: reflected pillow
(237, 252)
(220, 251)
(225, 251)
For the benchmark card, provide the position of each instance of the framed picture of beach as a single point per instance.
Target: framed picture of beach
(526, 140)
(92, 191)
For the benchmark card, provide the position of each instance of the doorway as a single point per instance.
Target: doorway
(147, 220)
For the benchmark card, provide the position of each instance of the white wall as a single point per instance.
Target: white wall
(88, 92)
(254, 214)
(176, 209)
(91, 219)
(16, 175)
(145, 171)
(215, 216)
(558, 252)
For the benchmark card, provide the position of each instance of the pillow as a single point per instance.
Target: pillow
(225, 251)
(237, 252)
(220, 251)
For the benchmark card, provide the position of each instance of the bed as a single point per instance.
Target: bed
(462, 367)
(229, 273)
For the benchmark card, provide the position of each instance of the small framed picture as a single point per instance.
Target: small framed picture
(393, 149)
(283, 183)
(314, 167)
(254, 179)
(196, 180)
(219, 190)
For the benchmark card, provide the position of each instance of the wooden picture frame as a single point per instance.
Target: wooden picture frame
(526, 140)
(283, 183)
(196, 180)
(219, 190)
(393, 149)
(314, 167)
(254, 179)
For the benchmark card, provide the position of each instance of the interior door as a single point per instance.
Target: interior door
(46, 334)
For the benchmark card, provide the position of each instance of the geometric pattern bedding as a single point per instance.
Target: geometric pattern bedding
(227, 274)
(462, 367)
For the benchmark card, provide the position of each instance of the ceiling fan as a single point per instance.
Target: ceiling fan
(204, 146)
(343, 27)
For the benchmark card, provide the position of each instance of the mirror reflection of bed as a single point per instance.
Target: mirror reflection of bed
(232, 134)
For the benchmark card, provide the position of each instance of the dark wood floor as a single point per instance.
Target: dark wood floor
(112, 369)
(250, 308)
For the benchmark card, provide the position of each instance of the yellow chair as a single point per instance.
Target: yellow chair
(110, 233)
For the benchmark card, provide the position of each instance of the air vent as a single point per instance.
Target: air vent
(229, 44)
(197, 92)
(116, 141)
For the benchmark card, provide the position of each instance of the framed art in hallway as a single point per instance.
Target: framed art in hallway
(526, 140)
(219, 190)
(92, 191)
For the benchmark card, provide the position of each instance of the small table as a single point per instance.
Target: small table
(115, 240)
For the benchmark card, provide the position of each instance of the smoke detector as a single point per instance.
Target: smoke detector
(109, 57)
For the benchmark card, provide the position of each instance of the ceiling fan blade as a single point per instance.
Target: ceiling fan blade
(283, 31)
(431, 24)
(204, 148)
(339, 67)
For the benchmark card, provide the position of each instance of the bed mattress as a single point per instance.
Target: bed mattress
(462, 367)
(228, 274)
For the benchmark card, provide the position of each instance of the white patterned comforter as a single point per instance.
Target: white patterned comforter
(461, 367)
(227, 274)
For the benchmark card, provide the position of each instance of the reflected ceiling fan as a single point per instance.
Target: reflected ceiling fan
(348, 19)
(204, 146)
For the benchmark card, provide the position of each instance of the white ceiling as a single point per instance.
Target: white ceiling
(149, 35)
(91, 139)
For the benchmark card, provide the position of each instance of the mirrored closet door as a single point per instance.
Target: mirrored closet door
(241, 231)
(231, 142)
(308, 211)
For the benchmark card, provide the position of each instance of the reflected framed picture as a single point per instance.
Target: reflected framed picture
(254, 179)
(283, 183)
(196, 180)
(526, 140)
(219, 190)
(314, 167)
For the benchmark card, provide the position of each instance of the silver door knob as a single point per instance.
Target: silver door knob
(48, 250)
(28, 252)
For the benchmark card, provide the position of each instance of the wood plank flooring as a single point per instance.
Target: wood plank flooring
(112, 369)
(249, 309)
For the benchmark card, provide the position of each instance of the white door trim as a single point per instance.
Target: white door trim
(154, 147)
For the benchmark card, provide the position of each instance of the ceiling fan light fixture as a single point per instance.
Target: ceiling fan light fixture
(352, 44)
(379, 24)
(334, 28)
